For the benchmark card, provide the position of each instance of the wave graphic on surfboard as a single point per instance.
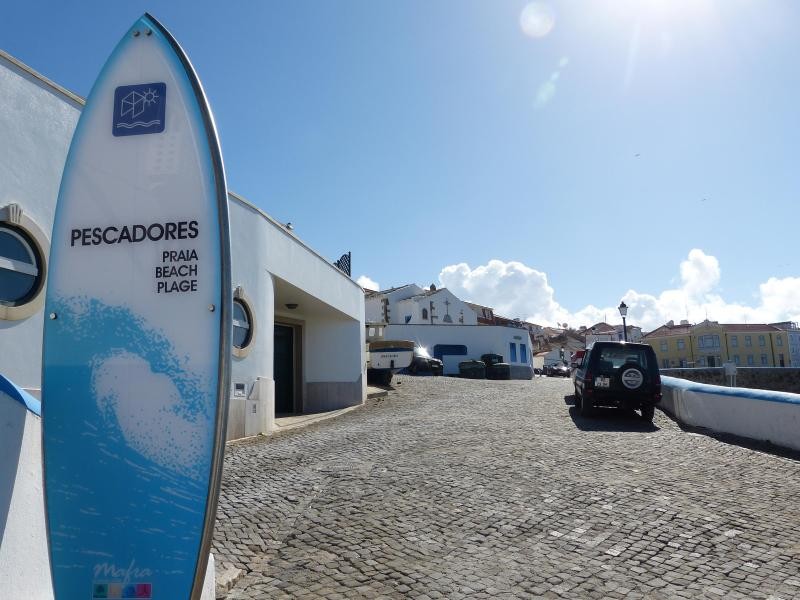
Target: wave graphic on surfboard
(139, 124)
(129, 443)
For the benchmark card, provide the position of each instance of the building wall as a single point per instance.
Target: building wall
(36, 126)
(732, 346)
(674, 354)
(333, 372)
(410, 310)
(272, 266)
(479, 340)
(24, 561)
(269, 264)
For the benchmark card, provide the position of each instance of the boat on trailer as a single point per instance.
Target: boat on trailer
(387, 357)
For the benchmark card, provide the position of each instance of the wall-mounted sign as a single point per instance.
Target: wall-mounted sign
(137, 333)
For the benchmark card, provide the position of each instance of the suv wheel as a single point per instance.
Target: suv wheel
(585, 407)
(648, 412)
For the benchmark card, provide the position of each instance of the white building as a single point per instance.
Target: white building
(412, 305)
(298, 320)
(603, 332)
(448, 327)
(456, 343)
(793, 333)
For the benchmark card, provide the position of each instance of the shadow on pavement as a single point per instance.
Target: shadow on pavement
(610, 419)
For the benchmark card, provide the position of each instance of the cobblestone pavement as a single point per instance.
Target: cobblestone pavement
(455, 488)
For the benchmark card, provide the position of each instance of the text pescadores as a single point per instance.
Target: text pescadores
(156, 232)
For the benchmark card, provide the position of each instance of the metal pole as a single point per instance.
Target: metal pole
(624, 331)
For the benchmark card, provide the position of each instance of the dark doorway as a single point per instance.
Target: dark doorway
(283, 369)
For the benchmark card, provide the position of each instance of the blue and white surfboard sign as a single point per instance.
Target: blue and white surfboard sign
(137, 333)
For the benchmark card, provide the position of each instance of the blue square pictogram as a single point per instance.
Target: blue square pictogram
(139, 108)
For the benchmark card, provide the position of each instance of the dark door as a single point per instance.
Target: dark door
(283, 369)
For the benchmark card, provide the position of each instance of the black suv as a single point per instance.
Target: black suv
(618, 374)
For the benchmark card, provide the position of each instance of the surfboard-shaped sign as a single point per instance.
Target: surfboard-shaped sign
(137, 333)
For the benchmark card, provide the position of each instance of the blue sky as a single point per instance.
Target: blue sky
(433, 137)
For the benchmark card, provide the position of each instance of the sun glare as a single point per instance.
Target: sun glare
(537, 19)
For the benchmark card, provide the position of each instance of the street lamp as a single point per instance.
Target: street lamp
(623, 310)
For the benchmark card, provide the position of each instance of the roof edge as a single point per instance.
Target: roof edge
(54, 87)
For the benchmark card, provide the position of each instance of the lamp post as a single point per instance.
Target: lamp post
(623, 310)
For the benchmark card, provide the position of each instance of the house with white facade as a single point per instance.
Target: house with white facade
(447, 327)
(298, 335)
(434, 307)
(603, 332)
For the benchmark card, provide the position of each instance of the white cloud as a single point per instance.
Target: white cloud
(516, 290)
(366, 282)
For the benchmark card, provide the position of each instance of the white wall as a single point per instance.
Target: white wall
(24, 561)
(754, 414)
(412, 307)
(398, 295)
(332, 349)
(36, 125)
(248, 252)
(479, 339)
(373, 308)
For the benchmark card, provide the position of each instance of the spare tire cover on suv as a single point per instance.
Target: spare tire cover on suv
(631, 376)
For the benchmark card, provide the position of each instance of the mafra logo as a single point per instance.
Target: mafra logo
(139, 109)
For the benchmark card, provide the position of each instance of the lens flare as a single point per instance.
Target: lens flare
(537, 19)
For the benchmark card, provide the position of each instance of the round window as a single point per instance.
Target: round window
(20, 267)
(242, 324)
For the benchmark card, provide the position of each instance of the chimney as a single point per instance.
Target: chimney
(670, 323)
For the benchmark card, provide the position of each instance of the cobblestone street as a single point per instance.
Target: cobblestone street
(456, 488)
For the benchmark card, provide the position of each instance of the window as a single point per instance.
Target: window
(523, 354)
(748, 341)
(682, 363)
(618, 356)
(701, 362)
(781, 362)
(513, 348)
(736, 359)
(20, 267)
(244, 324)
(664, 346)
(734, 341)
(424, 314)
(681, 344)
(665, 363)
(408, 319)
(750, 361)
(241, 324)
(761, 341)
(708, 341)
(779, 341)
(764, 360)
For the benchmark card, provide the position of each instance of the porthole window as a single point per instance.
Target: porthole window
(244, 324)
(241, 324)
(20, 267)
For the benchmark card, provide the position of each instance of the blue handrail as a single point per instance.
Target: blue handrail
(10, 389)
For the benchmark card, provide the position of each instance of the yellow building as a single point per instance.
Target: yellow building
(672, 344)
(709, 344)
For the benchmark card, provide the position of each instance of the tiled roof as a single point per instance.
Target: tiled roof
(601, 327)
(666, 330)
(386, 291)
(748, 327)
(473, 305)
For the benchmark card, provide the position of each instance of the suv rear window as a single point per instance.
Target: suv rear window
(616, 356)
